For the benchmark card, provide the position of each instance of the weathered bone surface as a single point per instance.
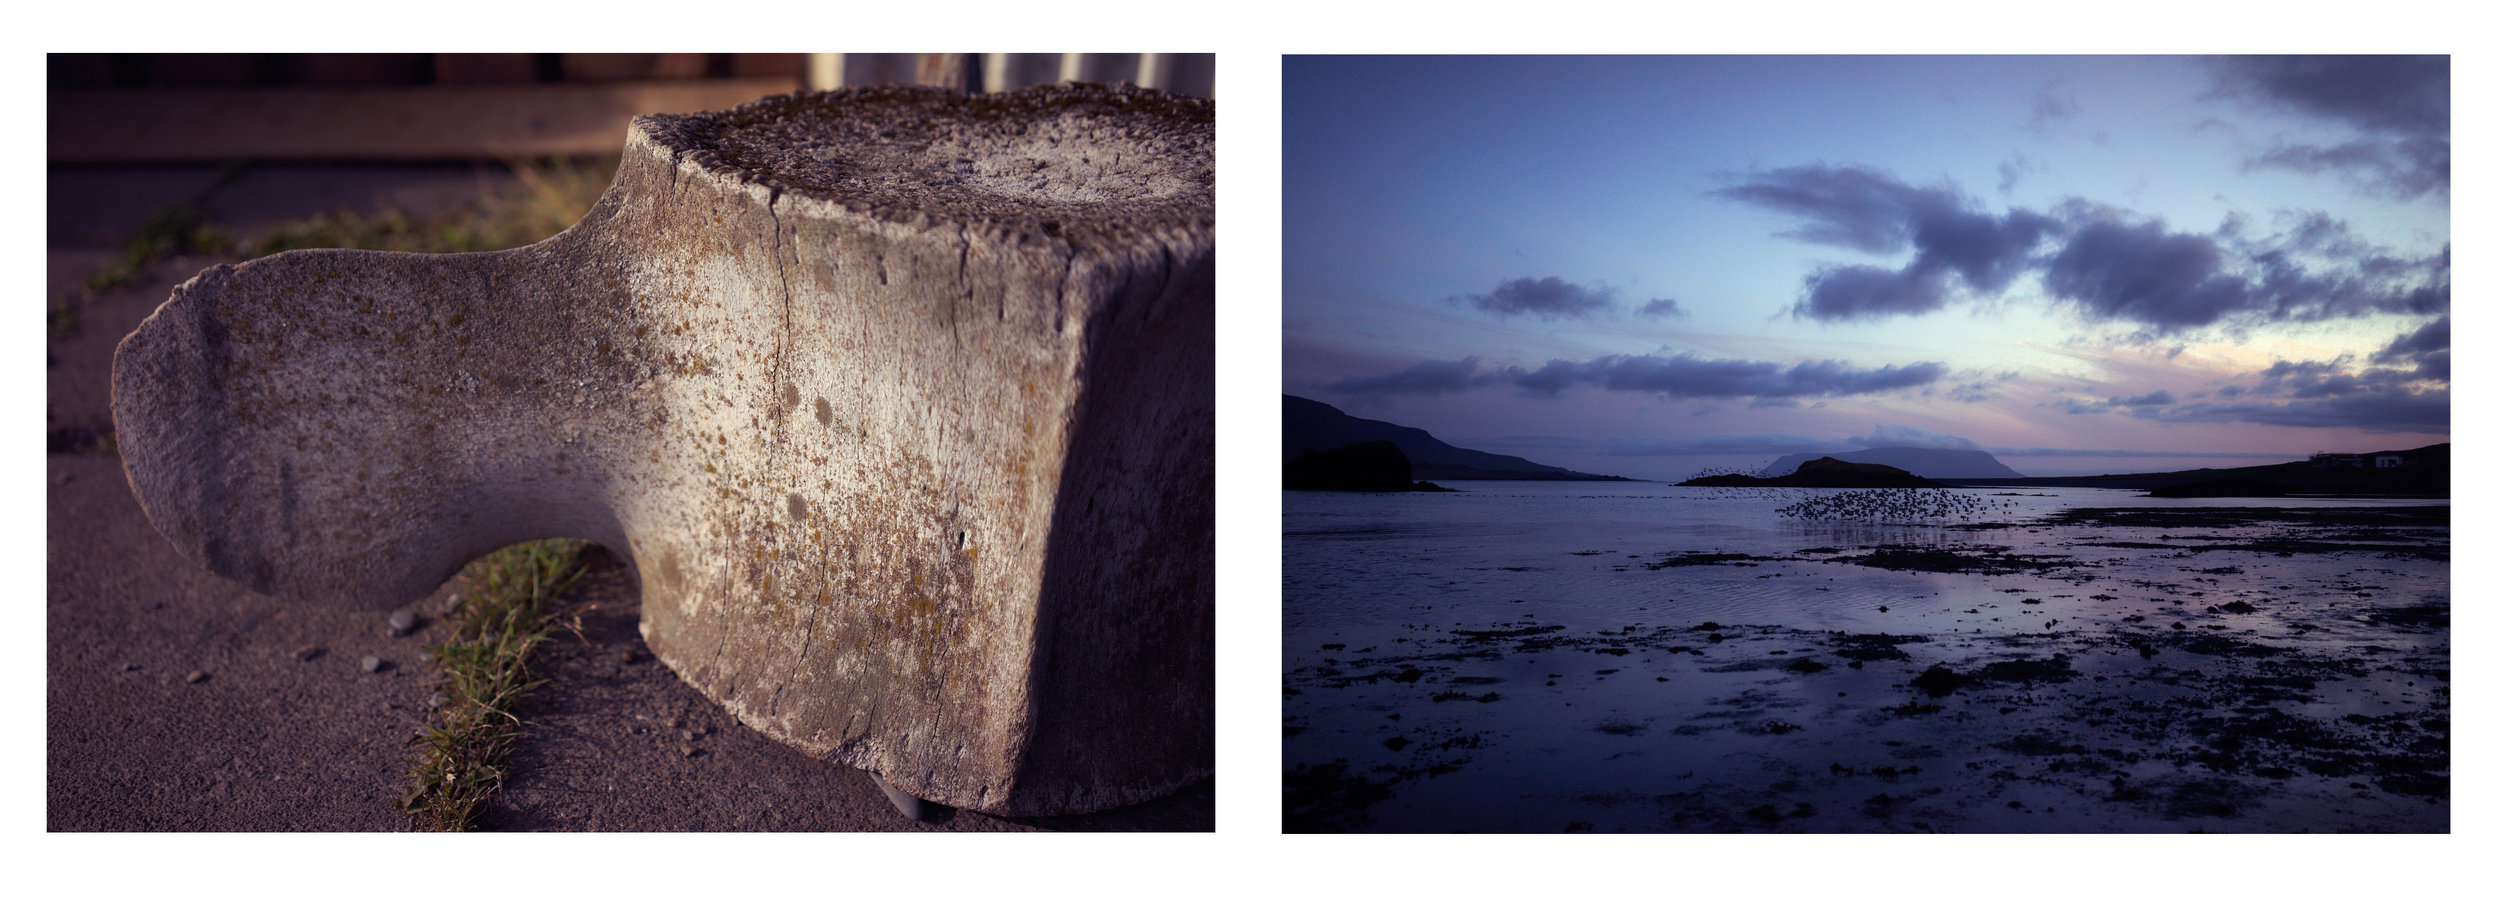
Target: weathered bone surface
(901, 402)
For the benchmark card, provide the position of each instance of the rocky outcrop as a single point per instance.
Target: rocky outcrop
(1957, 463)
(1827, 473)
(1374, 466)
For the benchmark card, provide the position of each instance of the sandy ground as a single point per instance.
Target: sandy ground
(177, 700)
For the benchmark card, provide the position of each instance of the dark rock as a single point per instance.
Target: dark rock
(1938, 681)
(1374, 466)
(1827, 473)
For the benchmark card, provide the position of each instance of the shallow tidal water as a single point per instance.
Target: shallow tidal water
(1558, 657)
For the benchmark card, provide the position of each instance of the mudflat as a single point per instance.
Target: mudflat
(2051, 669)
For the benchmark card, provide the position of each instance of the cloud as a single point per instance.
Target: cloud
(1858, 291)
(1682, 376)
(1862, 209)
(2111, 266)
(2049, 109)
(2365, 409)
(1687, 376)
(2399, 105)
(1765, 443)
(1661, 308)
(2310, 394)
(2426, 348)
(1545, 298)
(1852, 207)
(2012, 172)
(1987, 252)
(2146, 274)
(1428, 378)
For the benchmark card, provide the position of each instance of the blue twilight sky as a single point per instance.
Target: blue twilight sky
(1652, 265)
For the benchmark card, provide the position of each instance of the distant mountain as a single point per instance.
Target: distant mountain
(1953, 463)
(2408, 472)
(1313, 426)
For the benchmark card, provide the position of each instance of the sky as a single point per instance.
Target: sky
(1654, 266)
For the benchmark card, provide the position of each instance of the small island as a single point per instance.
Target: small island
(1827, 473)
(1373, 466)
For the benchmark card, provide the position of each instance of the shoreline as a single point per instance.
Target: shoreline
(2135, 669)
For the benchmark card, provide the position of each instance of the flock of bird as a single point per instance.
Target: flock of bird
(1898, 506)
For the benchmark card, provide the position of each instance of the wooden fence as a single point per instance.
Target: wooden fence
(131, 108)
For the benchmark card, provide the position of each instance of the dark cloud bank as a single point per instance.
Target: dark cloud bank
(1554, 298)
(2108, 266)
(1679, 376)
(2114, 267)
(2397, 106)
(1546, 298)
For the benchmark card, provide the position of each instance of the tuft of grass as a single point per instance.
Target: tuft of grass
(507, 611)
(168, 232)
(553, 195)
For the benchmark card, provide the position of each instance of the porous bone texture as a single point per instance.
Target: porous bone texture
(901, 401)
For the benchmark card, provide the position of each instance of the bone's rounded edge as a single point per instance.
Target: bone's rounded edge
(965, 347)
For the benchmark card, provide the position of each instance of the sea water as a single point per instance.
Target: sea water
(1528, 656)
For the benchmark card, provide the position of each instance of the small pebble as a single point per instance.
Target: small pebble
(437, 700)
(454, 601)
(373, 664)
(130, 667)
(689, 750)
(197, 676)
(403, 621)
(307, 653)
(628, 656)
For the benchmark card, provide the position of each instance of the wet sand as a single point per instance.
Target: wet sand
(2149, 669)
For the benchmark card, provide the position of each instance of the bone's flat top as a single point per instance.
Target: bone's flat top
(1034, 159)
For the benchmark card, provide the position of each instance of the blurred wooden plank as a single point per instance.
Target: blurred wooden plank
(635, 67)
(485, 69)
(879, 69)
(1108, 68)
(187, 70)
(1005, 72)
(77, 71)
(364, 69)
(101, 126)
(607, 67)
(1188, 74)
(745, 65)
(961, 72)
